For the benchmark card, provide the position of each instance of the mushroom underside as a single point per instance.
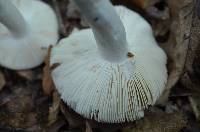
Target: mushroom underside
(105, 91)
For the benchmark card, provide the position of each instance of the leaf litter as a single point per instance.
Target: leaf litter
(29, 101)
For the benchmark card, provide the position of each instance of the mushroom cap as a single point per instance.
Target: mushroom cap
(29, 51)
(105, 91)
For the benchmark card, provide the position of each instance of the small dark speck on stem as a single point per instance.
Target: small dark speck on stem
(130, 55)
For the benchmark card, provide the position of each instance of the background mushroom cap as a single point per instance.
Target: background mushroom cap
(29, 51)
(110, 92)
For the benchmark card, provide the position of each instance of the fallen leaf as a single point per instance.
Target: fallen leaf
(195, 104)
(54, 109)
(28, 74)
(74, 120)
(88, 127)
(2, 81)
(141, 3)
(191, 75)
(177, 46)
(56, 126)
(158, 121)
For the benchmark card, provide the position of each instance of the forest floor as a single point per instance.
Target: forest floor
(24, 106)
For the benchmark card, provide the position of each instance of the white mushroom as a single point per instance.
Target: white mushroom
(113, 75)
(27, 28)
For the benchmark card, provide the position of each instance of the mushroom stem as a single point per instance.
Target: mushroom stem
(107, 27)
(12, 18)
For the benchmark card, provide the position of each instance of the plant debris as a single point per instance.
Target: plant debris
(2, 81)
(30, 103)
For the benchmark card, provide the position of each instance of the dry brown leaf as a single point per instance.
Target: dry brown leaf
(191, 76)
(88, 127)
(47, 82)
(74, 120)
(28, 74)
(56, 126)
(2, 81)
(54, 109)
(141, 3)
(177, 46)
(158, 122)
(195, 104)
